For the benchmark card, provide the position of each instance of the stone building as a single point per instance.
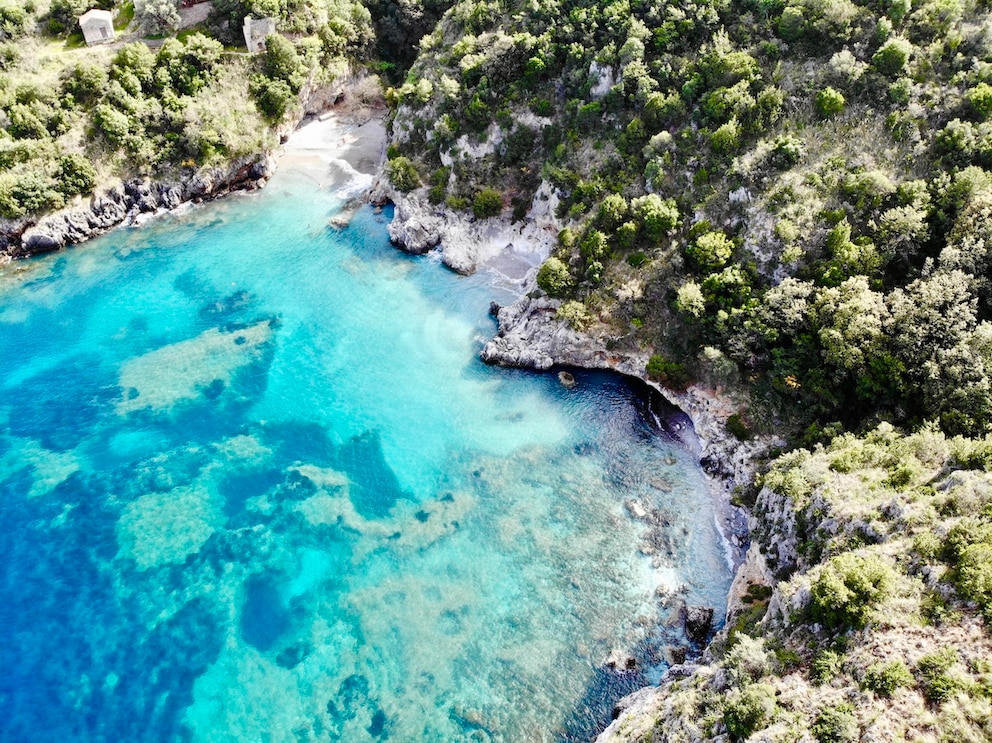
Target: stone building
(97, 26)
(255, 31)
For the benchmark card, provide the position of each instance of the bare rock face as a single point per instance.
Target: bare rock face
(464, 242)
(413, 234)
(530, 336)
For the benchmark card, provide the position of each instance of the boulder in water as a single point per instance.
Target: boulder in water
(698, 623)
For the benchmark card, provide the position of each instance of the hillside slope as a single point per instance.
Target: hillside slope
(789, 199)
(792, 195)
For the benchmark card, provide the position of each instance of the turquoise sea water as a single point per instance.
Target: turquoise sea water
(255, 485)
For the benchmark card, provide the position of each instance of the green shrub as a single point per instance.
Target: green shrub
(10, 55)
(710, 251)
(456, 202)
(669, 373)
(28, 193)
(439, 177)
(134, 59)
(738, 428)
(826, 666)
(627, 237)
(86, 82)
(974, 575)
(76, 175)
(157, 16)
(114, 124)
(487, 203)
(594, 245)
(932, 671)
(662, 108)
(749, 711)
(575, 314)
(791, 23)
(554, 278)
(892, 57)
(273, 98)
(690, 300)
(612, 212)
(476, 114)
(970, 530)
(787, 151)
(829, 102)
(636, 260)
(63, 15)
(835, 723)
(980, 100)
(542, 107)
(14, 21)
(28, 121)
(282, 62)
(748, 660)
(847, 590)
(659, 216)
(885, 678)
(403, 173)
(727, 137)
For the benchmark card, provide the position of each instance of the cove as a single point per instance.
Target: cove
(255, 484)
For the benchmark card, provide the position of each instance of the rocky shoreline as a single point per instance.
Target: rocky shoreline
(530, 335)
(356, 96)
(129, 203)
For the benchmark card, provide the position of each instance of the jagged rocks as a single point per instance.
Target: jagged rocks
(698, 622)
(413, 236)
(119, 205)
(466, 243)
(530, 336)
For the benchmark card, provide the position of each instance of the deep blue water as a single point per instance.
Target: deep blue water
(255, 485)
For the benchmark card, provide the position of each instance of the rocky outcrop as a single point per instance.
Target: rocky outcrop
(128, 203)
(413, 233)
(466, 243)
(530, 336)
(698, 622)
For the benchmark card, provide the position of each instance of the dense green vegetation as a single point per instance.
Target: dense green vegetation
(74, 117)
(874, 630)
(790, 198)
(797, 186)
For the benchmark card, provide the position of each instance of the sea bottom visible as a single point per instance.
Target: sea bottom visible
(255, 485)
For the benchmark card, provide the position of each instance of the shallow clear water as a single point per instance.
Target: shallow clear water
(256, 485)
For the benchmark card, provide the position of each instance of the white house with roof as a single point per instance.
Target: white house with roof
(97, 26)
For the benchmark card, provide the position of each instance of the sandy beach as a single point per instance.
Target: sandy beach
(341, 148)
